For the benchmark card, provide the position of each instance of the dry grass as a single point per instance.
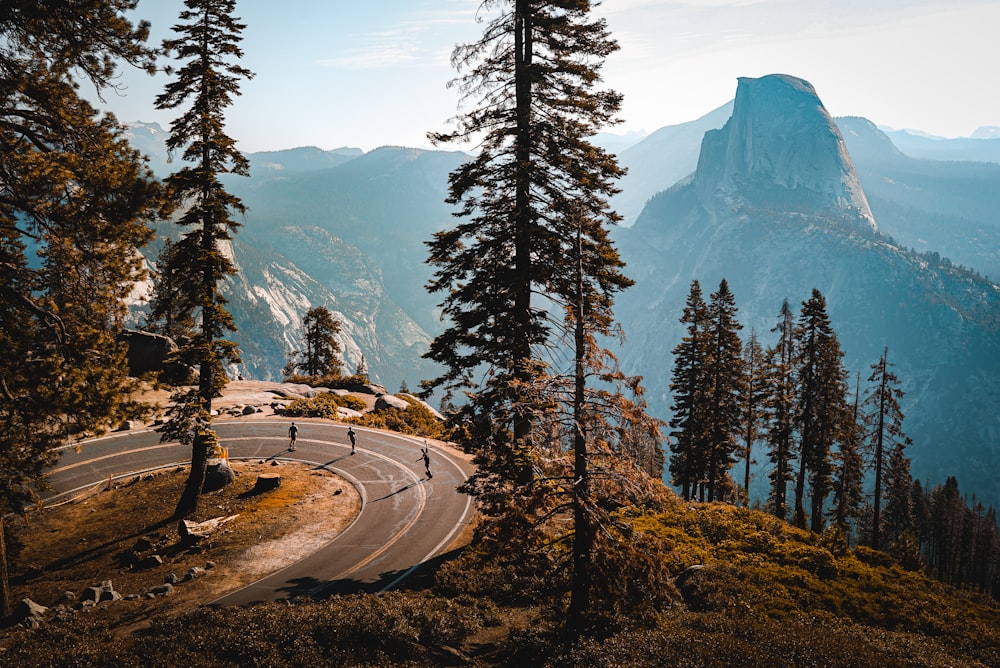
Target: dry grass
(76, 545)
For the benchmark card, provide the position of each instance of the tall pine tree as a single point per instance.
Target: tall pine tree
(725, 377)
(322, 354)
(688, 386)
(531, 80)
(74, 198)
(533, 204)
(753, 402)
(207, 44)
(821, 415)
(884, 418)
(781, 411)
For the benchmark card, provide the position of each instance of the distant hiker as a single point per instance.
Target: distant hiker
(427, 460)
(354, 438)
(292, 433)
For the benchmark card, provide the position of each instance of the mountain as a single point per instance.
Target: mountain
(983, 146)
(341, 229)
(944, 207)
(776, 207)
(662, 159)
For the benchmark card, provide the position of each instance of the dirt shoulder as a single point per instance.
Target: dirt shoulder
(113, 534)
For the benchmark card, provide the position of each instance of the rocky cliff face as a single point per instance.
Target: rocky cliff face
(782, 147)
(776, 208)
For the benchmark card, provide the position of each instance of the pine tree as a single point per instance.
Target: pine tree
(688, 387)
(74, 198)
(753, 401)
(821, 413)
(322, 354)
(848, 485)
(724, 374)
(531, 79)
(885, 421)
(781, 411)
(533, 240)
(207, 43)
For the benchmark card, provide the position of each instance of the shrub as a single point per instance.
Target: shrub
(323, 406)
(417, 420)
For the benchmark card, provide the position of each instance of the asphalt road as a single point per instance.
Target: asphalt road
(406, 518)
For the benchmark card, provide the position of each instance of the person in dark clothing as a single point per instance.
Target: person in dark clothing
(292, 433)
(354, 438)
(427, 460)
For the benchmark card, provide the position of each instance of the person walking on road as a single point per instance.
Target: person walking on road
(427, 460)
(354, 438)
(292, 433)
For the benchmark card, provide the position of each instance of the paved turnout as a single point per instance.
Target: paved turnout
(406, 518)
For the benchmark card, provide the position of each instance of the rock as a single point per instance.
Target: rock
(171, 578)
(152, 561)
(344, 413)
(142, 545)
(218, 474)
(210, 565)
(28, 613)
(99, 594)
(387, 401)
(165, 589)
(250, 410)
(132, 597)
(129, 425)
(193, 574)
(66, 598)
(147, 351)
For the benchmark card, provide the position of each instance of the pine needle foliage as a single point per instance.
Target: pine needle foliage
(74, 202)
(207, 44)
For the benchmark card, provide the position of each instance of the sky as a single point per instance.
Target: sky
(335, 73)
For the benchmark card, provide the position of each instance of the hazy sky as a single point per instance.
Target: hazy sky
(367, 73)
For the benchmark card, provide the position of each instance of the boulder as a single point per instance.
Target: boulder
(165, 589)
(100, 593)
(218, 474)
(387, 401)
(152, 561)
(147, 351)
(28, 613)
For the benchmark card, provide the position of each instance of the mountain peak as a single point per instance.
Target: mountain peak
(781, 149)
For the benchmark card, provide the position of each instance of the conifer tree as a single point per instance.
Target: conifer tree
(533, 240)
(724, 372)
(821, 414)
(207, 44)
(688, 387)
(848, 485)
(780, 431)
(322, 354)
(74, 198)
(753, 400)
(884, 418)
(531, 82)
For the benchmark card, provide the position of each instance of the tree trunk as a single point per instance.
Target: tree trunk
(5, 608)
(188, 502)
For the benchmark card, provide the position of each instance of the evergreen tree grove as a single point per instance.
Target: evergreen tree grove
(207, 43)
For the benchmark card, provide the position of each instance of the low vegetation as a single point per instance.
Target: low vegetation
(323, 406)
(749, 591)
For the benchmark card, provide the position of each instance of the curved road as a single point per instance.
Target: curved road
(405, 519)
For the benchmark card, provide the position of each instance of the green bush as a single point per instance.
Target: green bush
(323, 406)
(416, 420)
